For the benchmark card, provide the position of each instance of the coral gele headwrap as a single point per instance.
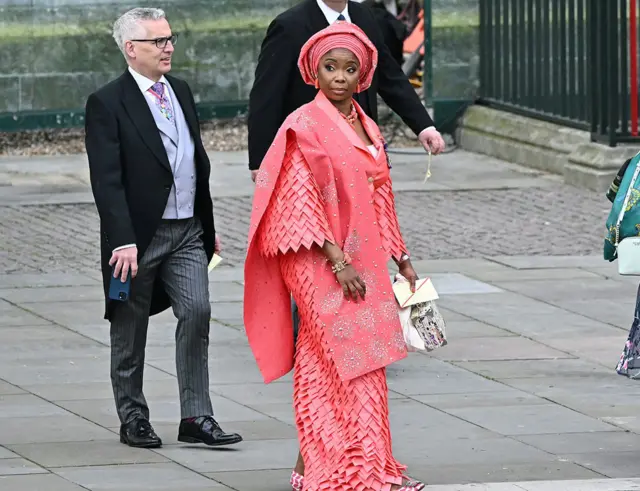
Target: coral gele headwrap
(344, 35)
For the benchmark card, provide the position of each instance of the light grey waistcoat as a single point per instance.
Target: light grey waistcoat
(178, 143)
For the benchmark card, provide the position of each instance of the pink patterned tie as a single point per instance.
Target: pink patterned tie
(162, 101)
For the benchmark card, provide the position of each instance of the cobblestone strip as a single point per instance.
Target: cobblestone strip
(559, 220)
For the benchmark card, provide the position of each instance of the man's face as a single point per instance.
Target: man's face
(150, 54)
(337, 5)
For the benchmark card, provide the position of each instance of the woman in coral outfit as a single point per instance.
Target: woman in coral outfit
(323, 227)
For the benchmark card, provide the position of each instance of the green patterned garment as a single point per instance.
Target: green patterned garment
(630, 226)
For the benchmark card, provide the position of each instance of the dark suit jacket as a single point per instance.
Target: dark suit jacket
(130, 173)
(279, 90)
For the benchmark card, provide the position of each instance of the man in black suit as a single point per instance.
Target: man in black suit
(279, 90)
(150, 179)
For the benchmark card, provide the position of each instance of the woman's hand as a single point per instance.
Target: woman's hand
(352, 285)
(406, 270)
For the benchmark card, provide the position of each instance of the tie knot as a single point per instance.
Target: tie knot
(158, 88)
(342, 17)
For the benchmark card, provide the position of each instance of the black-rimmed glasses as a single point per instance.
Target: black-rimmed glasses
(161, 43)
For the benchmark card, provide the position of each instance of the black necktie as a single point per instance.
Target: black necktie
(342, 17)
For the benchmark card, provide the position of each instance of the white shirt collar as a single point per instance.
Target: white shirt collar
(331, 14)
(143, 82)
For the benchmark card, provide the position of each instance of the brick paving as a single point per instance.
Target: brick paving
(554, 220)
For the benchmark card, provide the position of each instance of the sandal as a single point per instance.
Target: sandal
(296, 481)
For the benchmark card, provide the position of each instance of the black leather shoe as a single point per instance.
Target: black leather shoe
(205, 430)
(139, 434)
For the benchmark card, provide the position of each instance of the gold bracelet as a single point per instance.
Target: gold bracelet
(341, 265)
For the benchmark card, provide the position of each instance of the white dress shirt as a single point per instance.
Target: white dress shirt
(331, 14)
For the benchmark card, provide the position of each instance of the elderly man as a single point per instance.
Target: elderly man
(150, 179)
(278, 89)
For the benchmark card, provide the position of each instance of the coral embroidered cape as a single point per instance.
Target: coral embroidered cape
(356, 197)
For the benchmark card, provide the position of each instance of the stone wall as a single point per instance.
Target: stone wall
(53, 53)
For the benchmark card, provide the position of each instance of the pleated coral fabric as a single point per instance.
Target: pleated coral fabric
(319, 182)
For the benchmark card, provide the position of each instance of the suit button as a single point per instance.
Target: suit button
(167, 187)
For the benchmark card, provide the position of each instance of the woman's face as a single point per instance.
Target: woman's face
(338, 74)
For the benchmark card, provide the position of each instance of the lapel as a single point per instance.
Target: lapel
(136, 106)
(345, 128)
(184, 99)
(181, 130)
(316, 21)
(359, 18)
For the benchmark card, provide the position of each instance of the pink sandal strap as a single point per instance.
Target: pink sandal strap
(296, 481)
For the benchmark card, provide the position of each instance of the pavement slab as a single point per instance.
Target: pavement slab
(524, 397)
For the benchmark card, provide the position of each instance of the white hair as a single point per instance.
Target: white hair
(128, 27)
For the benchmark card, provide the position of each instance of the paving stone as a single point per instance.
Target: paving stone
(530, 420)
(71, 294)
(79, 454)
(5, 453)
(598, 405)
(103, 412)
(563, 485)
(458, 331)
(506, 396)
(497, 348)
(52, 429)
(164, 388)
(60, 313)
(559, 261)
(413, 423)
(27, 406)
(588, 485)
(497, 472)
(445, 381)
(13, 467)
(226, 292)
(264, 480)
(282, 411)
(605, 350)
(53, 342)
(11, 315)
(458, 284)
(610, 464)
(584, 443)
(160, 477)
(507, 369)
(40, 280)
(553, 290)
(8, 389)
(533, 275)
(37, 482)
(76, 369)
(259, 455)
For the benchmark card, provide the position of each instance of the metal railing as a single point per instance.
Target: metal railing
(572, 62)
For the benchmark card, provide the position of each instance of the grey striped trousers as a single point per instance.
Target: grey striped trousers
(176, 256)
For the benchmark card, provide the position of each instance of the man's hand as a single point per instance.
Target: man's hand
(217, 247)
(254, 175)
(431, 140)
(125, 260)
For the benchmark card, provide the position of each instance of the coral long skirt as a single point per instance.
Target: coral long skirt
(343, 427)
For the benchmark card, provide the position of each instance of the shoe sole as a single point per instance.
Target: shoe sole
(189, 439)
(140, 445)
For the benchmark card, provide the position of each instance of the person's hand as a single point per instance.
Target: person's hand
(431, 140)
(352, 285)
(125, 260)
(218, 246)
(254, 175)
(406, 269)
